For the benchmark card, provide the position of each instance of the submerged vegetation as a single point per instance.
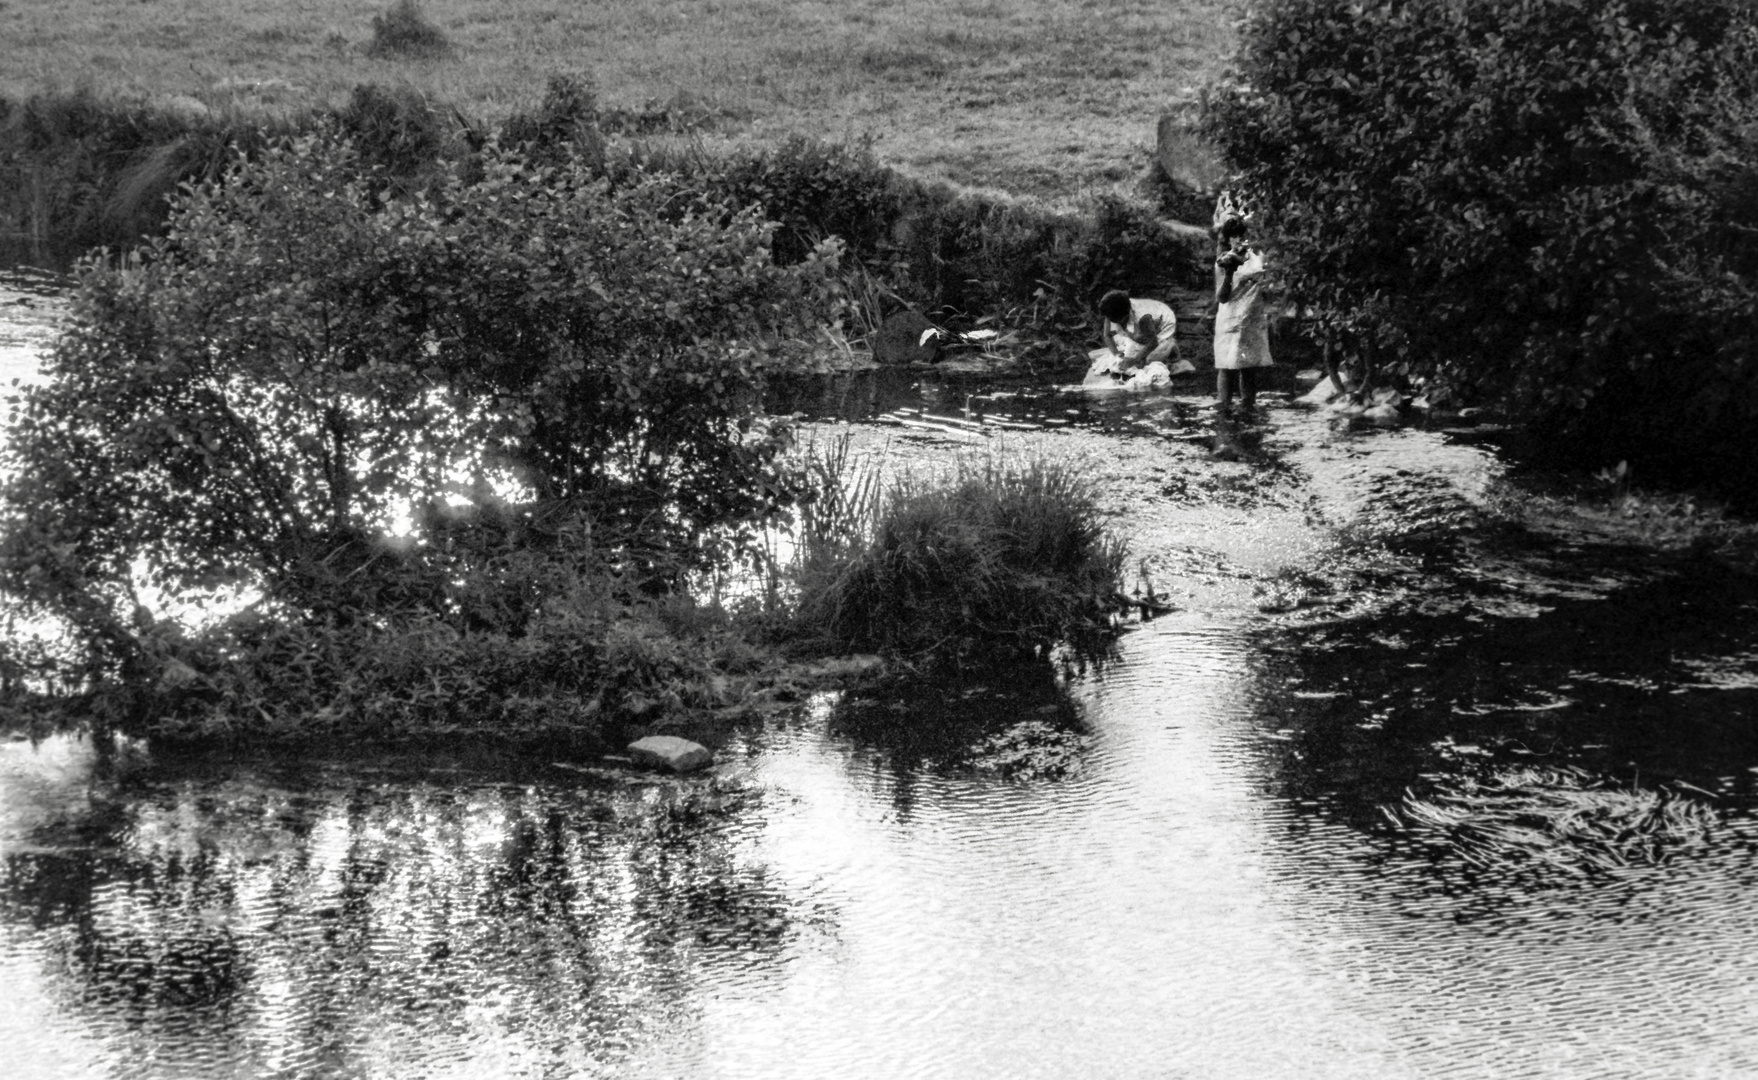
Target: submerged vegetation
(1554, 820)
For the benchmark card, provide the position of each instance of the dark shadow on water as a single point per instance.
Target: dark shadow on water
(1652, 682)
(1015, 721)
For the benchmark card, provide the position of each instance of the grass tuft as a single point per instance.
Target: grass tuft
(1000, 560)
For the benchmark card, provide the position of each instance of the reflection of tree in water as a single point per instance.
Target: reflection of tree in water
(370, 929)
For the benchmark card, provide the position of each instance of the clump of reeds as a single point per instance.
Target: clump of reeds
(842, 509)
(1556, 818)
(997, 559)
(403, 32)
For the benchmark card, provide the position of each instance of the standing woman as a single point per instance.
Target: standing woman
(1242, 315)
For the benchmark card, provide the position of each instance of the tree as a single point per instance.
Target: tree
(1547, 202)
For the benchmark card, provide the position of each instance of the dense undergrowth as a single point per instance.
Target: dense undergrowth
(379, 441)
(84, 170)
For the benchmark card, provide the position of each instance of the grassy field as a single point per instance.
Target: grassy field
(1050, 98)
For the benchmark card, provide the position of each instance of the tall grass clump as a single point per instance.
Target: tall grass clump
(997, 561)
(565, 125)
(403, 32)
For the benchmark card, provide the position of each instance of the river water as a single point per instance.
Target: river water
(1219, 877)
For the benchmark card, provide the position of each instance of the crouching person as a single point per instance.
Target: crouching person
(1140, 343)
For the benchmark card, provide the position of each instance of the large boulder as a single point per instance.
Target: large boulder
(1188, 162)
(669, 752)
(898, 340)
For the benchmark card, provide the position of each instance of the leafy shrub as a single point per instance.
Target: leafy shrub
(1534, 200)
(582, 667)
(306, 358)
(566, 124)
(396, 129)
(996, 561)
(810, 188)
(403, 32)
(937, 248)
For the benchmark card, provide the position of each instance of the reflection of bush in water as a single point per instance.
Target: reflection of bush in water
(551, 917)
(1033, 750)
(1562, 819)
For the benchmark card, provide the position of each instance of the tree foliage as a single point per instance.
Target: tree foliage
(326, 391)
(1552, 202)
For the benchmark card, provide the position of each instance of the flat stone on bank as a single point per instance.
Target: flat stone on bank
(670, 752)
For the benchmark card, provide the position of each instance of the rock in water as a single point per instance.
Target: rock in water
(1323, 392)
(1384, 415)
(899, 339)
(670, 752)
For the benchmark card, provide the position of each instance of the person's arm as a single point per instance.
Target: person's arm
(1148, 332)
(1224, 267)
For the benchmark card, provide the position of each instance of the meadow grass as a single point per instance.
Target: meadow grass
(1051, 98)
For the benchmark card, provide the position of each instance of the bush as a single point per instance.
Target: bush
(936, 248)
(1539, 201)
(257, 399)
(565, 125)
(581, 665)
(996, 562)
(403, 32)
(397, 129)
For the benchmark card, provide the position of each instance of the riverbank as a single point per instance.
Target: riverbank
(1051, 99)
(80, 169)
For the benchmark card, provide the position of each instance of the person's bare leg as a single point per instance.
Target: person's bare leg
(1223, 392)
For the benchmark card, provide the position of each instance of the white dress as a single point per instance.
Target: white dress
(1242, 324)
(1165, 323)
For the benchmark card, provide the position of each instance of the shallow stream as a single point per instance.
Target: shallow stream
(1217, 875)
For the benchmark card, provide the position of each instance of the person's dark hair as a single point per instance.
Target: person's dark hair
(1114, 305)
(1233, 226)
